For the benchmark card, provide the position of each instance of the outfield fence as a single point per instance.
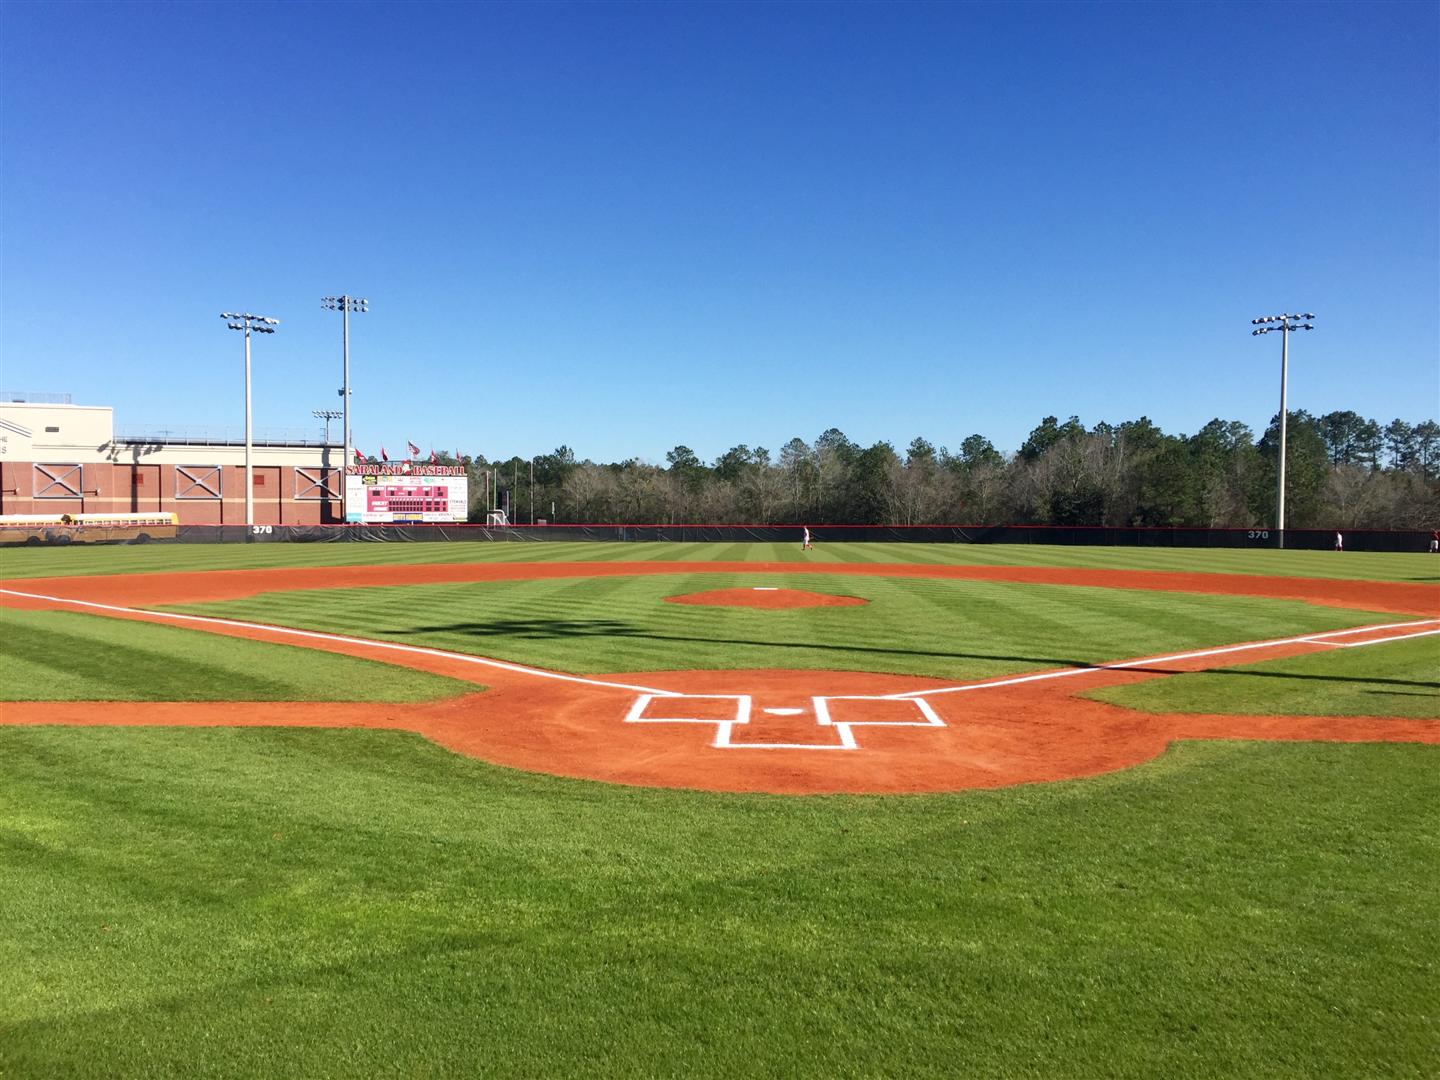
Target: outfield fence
(1073, 536)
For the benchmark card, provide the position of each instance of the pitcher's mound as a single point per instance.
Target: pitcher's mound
(763, 597)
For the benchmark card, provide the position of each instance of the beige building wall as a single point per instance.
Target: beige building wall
(35, 432)
(57, 459)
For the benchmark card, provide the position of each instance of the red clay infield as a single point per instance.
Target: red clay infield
(795, 732)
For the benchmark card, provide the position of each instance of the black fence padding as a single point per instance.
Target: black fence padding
(1074, 536)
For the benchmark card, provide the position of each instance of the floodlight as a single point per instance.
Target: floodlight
(265, 325)
(345, 304)
(1286, 323)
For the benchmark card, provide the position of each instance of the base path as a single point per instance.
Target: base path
(793, 732)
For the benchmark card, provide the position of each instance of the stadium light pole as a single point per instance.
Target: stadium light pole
(345, 305)
(1285, 324)
(259, 324)
(327, 415)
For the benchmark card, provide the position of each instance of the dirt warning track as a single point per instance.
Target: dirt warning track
(793, 732)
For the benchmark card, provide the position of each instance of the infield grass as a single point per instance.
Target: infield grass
(265, 903)
(18, 563)
(68, 656)
(948, 629)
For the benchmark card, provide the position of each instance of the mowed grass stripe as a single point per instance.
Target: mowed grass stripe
(19, 563)
(249, 903)
(1394, 679)
(70, 656)
(1042, 634)
(947, 629)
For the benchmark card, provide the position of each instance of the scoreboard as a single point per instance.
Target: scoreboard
(405, 492)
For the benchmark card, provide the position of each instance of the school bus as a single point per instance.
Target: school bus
(86, 528)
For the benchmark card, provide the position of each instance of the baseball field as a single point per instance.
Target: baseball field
(719, 810)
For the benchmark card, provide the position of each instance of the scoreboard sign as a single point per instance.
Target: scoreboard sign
(406, 492)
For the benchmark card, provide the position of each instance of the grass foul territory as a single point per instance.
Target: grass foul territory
(1400, 678)
(67, 656)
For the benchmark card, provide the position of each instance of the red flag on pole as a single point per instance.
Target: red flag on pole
(414, 450)
(359, 457)
(383, 455)
(434, 458)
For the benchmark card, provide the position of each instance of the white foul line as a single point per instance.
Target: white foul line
(1382, 641)
(416, 650)
(1308, 639)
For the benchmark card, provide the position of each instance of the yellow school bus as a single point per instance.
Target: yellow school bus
(86, 528)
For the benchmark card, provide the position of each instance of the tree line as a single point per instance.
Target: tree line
(1343, 471)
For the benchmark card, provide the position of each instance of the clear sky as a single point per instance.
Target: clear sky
(625, 227)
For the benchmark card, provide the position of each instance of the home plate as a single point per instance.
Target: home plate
(827, 724)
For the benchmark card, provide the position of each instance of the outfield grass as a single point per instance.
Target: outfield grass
(953, 629)
(1399, 679)
(162, 558)
(67, 656)
(264, 903)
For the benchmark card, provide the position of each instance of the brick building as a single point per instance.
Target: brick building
(59, 458)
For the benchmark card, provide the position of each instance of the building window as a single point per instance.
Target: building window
(259, 479)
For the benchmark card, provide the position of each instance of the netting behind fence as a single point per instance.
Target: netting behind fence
(1303, 539)
(1071, 536)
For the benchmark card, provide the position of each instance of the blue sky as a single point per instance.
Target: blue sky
(630, 226)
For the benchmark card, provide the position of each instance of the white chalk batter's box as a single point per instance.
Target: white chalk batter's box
(835, 716)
